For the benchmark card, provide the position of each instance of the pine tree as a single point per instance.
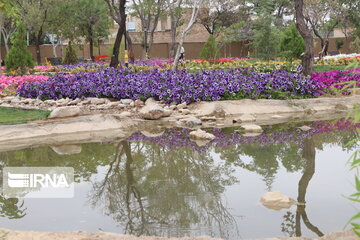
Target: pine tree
(70, 55)
(292, 45)
(210, 49)
(19, 57)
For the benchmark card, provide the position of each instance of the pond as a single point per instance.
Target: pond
(165, 184)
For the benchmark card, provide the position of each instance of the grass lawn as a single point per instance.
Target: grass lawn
(10, 116)
(325, 68)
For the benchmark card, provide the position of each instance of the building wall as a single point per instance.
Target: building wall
(162, 49)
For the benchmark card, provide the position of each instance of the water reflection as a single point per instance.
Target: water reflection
(170, 186)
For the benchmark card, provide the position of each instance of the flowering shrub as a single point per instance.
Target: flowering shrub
(341, 59)
(335, 79)
(9, 84)
(173, 86)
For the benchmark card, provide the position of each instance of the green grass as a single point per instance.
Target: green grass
(11, 116)
(325, 68)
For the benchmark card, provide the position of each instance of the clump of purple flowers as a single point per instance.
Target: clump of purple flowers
(173, 86)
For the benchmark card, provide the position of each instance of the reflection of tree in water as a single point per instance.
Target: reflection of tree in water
(152, 191)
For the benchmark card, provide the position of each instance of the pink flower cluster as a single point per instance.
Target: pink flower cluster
(335, 79)
(9, 84)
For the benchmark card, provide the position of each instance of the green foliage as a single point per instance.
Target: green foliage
(355, 45)
(265, 39)
(291, 43)
(339, 44)
(210, 49)
(70, 55)
(19, 57)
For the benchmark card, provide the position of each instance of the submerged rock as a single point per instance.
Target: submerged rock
(252, 128)
(305, 128)
(191, 121)
(62, 112)
(67, 149)
(276, 200)
(200, 134)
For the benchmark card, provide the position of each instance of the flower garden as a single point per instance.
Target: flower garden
(196, 80)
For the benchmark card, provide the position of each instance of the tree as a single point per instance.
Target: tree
(174, 9)
(149, 12)
(196, 4)
(323, 16)
(88, 19)
(210, 49)
(19, 57)
(217, 15)
(35, 15)
(291, 43)
(265, 39)
(70, 54)
(305, 32)
(117, 12)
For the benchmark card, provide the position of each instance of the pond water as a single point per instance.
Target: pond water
(168, 185)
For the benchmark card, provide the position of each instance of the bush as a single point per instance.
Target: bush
(70, 55)
(265, 39)
(291, 43)
(19, 57)
(355, 45)
(210, 49)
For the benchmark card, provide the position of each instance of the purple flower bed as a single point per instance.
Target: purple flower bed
(336, 79)
(173, 86)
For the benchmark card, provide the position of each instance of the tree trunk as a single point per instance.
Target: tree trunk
(305, 32)
(91, 46)
(130, 48)
(195, 12)
(173, 39)
(37, 44)
(122, 26)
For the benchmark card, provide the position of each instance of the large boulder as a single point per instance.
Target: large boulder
(152, 112)
(276, 200)
(62, 112)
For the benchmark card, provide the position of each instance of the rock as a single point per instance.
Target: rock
(200, 134)
(97, 101)
(251, 128)
(151, 112)
(277, 117)
(139, 103)
(75, 102)
(50, 102)
(181, 106)
(15, 101)
(167, 113)
(85, 102)
(172, 107)
(305, 128)
(184, 111)
(341, 107)
(210, 118)
(67, 149)
(150, 101)
(125, 114)
(121, 106)
(126, 101)
(153, 132)
(8, 99)
(62, 112)
(191, 121)
(276, 200)
(245, 118)
(132, 104)
(62, 102)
